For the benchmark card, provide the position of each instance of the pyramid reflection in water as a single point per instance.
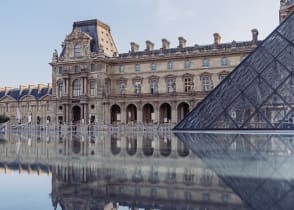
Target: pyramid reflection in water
(258, 94)
(258, 168)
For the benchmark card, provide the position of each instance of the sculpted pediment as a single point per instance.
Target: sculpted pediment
(45, 98)
(77, 34)
(77, 45)
(7, 98)
(27, 98)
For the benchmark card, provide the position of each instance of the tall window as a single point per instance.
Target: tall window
(138, 88)
(171, 85)
(154, 87)
(77, 50)
(122, 87)
(60, 89)
(77, 68)
(137, 67)
(224, 61)
(188, 84)
(92, 88)
(121, 68)
(206, 83)
(93, 67)
(170, 65)
(187, 64)
(77, 87)
(153, 67)
(205, 62)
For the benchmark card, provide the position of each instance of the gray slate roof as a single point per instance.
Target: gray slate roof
(17, 94)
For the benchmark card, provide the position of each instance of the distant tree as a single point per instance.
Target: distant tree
(4, 118)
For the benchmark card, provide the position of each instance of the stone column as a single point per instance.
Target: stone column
(69, 111)
(64, 113)
(123, 113)
(83, 111)
(156, 112)
(64, 87)
(85, 86)
(82, 86)
(174, 112)
(139, 112)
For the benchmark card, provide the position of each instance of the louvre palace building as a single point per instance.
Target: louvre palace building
(93, 82)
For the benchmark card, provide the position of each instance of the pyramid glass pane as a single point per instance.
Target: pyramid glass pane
(258, 94)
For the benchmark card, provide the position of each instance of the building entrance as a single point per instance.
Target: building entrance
(76, 114)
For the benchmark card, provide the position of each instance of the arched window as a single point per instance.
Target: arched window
(77, 50)
(77, 87)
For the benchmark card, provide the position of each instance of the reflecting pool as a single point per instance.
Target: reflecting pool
(117, 171)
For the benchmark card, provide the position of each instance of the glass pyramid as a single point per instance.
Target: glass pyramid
(257, 94)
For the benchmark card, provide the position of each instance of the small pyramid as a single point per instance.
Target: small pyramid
(257, 94)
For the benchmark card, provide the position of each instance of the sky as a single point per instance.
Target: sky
(32, 29)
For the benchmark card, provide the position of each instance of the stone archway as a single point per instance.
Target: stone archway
(148, 114)
(131, 113)
(165, 113)
(76, 114)
(115, 113)
(183, 110)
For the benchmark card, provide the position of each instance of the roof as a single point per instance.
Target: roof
(190, 49)
(18, 94)
(2, 94)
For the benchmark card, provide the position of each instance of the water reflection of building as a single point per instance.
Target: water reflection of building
(257, 167)
(108, 171)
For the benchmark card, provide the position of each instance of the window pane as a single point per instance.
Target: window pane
(170, 65)
(205, 62)
(153, 67)
(77, 50)
(137, 67)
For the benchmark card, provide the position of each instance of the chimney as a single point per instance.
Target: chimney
(22, 87)
(31, 86)
(217, 38)
(7, 89)
(40, 87)
(149, 45)
(254, 35)
(165, 44)
(182, 42)
(134, 47)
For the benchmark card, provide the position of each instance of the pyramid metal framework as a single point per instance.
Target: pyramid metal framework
(257, 94)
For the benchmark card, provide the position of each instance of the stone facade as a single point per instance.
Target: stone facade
(92, 82)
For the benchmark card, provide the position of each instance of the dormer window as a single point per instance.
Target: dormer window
(77, 50)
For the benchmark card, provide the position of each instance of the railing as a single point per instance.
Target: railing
(91, 128)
